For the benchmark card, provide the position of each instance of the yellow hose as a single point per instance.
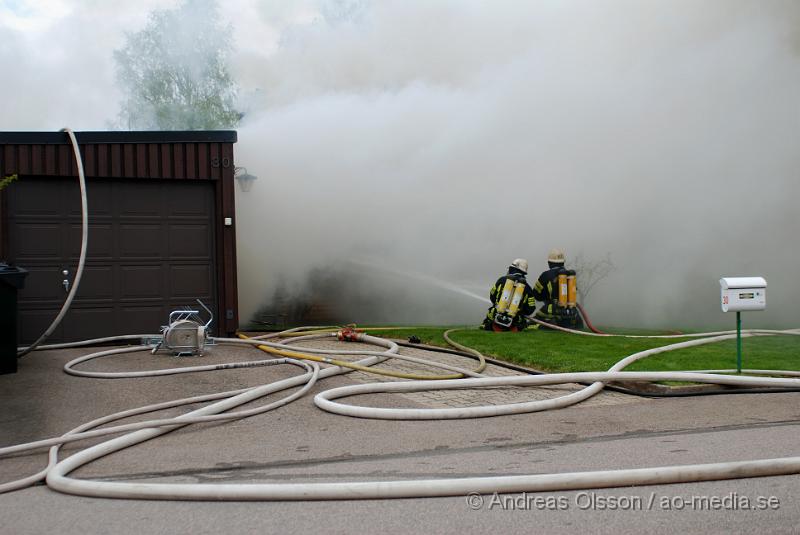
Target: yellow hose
(306, 333)
(466, 349)
(322, 330)
(367, 369)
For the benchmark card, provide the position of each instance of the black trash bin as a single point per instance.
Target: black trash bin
(12, 279)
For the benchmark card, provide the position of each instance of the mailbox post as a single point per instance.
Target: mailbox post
(738, 294)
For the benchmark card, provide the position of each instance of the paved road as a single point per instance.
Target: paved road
(300, 443)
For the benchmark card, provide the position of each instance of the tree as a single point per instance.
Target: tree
(590, 272)
(174, 71)
(8, 179)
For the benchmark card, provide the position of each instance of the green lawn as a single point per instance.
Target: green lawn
(562, 352)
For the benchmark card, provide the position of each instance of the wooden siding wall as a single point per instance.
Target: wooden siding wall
(120, 160)
(174, 161)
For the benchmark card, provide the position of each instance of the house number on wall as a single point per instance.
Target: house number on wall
(224, 162)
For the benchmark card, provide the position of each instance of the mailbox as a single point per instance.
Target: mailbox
(743, 293)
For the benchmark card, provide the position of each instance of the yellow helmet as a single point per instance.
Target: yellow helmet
(556, 256)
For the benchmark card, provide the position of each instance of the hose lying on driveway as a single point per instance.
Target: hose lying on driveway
(57, 473)
(665, 393)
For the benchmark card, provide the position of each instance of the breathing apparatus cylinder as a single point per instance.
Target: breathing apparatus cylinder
(562, 288)
(572, 289)
(508, 304)
(565, 303)
(505, 296)
(519, 288)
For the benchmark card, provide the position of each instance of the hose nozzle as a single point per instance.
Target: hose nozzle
(348, 334)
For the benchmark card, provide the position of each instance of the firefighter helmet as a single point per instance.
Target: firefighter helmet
(521, 264)
(556, 256)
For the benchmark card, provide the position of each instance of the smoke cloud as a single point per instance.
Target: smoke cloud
(448, 138)
(400, 143)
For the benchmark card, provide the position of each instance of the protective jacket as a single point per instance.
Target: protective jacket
(545, 290)
(526, 307)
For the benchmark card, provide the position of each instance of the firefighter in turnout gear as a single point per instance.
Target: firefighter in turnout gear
(512, 300)
(556, 289)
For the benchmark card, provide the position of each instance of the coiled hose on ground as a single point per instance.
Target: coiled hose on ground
(57, 472)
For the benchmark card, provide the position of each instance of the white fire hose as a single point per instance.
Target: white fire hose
(57, 473)
(82, 257)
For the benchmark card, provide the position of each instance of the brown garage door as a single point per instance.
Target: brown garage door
(151, 250)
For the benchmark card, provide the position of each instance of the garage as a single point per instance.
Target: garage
(161, 229)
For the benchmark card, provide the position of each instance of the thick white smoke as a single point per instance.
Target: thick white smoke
(57, 61)
(448, 138)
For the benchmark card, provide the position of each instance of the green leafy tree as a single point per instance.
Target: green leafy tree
(174, 71)
(6, 180)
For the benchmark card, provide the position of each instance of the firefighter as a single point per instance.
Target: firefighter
(545, 290)
(556, 289)
(512, 300)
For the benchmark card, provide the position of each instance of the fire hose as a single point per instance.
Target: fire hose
(82, 257)
(57, 472)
